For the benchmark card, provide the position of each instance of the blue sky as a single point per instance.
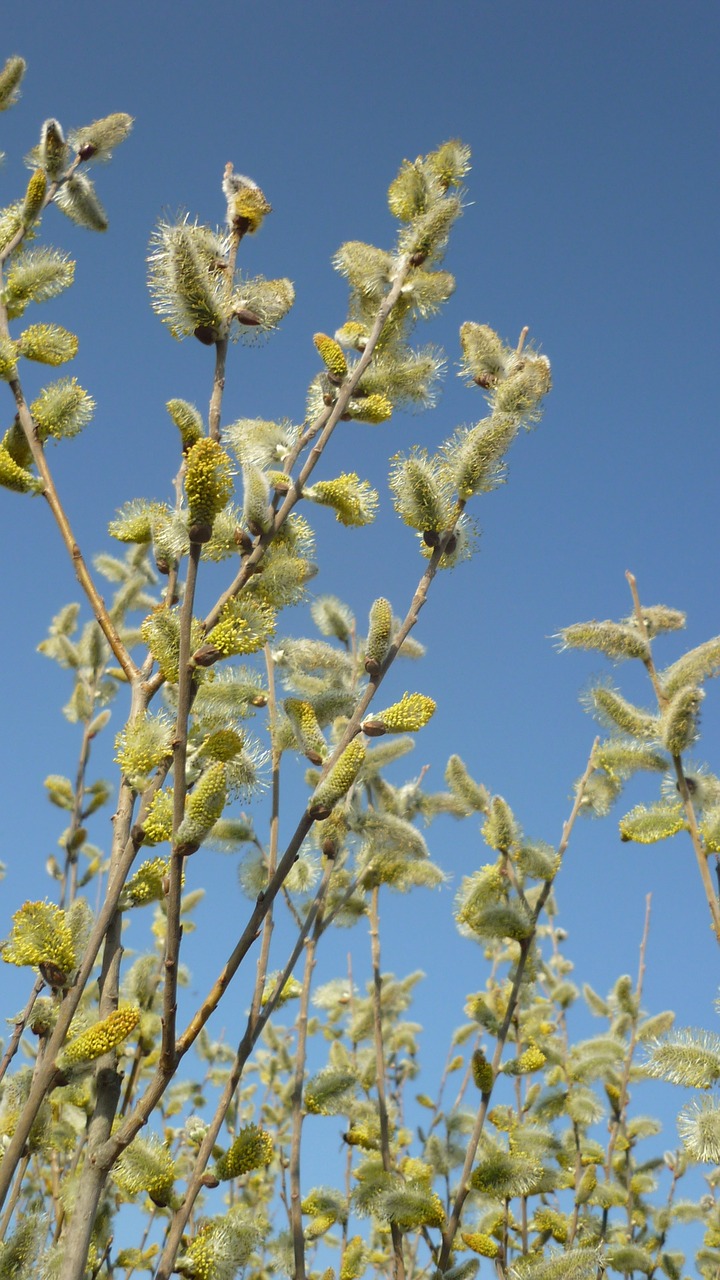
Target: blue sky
(592, 218)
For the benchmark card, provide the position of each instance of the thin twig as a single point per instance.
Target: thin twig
(82, 573)
(20, 1025)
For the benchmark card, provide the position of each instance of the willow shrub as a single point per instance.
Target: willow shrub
(134, 1142)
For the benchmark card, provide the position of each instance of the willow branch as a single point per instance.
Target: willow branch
(623, 1097)
(525, 948)
(259, 1016)
(334, 415)
(701, 856)
(48, 1075)
(296, 1225)
(396, 1234)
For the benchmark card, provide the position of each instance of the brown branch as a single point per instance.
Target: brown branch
(173, 927)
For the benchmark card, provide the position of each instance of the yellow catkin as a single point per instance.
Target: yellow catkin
(101, 1038)
(481, 1243)
(252, 1149)
(406, 716)
(332, 355)
(374, 408)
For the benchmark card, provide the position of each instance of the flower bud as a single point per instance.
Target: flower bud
(78, 200)
(647, 825)
(188, 421)
(10, 79)
(373, 408)
(41, 935)
(353, 500)
(53, 152)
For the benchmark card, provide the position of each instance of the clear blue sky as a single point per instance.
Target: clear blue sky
(593, 219)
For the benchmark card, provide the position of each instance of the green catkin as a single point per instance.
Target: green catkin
(678, 726)
(10, 80)
(188, 421)
(47, 344)
(34, 197)
(482, 1072)
(204, 806)
(647, 825)
(616, 640)
(379, 635)
(306, 729)
(338, 781)
(500, 830)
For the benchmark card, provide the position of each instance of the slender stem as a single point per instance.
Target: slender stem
(627, 1066)
(82, 573)
(69, 885)
(617, 1124)
(578, 1172)
(396, 1234)
(701, 856)
(525, 948)
(174, 896)
(216, 398)
(19, 1027)
(14, 1195)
